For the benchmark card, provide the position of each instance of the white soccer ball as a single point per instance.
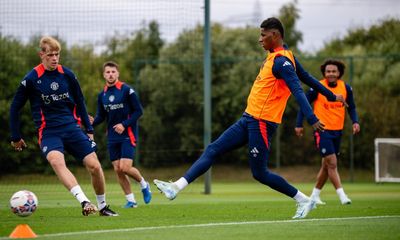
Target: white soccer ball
(23, 203)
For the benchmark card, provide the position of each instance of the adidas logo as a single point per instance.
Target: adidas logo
(286, 63)
(254, 151)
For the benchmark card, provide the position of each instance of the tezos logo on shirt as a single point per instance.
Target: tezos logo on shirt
(54, 86)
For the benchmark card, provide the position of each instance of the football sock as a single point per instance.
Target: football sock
(315, 192)
(101, 201)
(340, 193)
(300, 197)
(79, 194)
(143, 183)
(181, 183)
(130, 197)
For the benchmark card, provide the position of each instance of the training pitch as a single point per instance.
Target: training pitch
(233, 211)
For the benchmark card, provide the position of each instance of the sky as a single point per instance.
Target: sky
(91, 21)
(320, 20)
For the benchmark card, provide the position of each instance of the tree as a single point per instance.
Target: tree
(289, 14)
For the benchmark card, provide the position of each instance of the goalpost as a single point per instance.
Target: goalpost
(387, 160)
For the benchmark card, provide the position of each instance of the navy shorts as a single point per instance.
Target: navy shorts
(118, 150)
(328, 142)
(70, 138)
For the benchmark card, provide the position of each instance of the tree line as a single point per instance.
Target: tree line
(168, 77)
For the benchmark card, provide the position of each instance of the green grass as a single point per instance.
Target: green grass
(234, 211)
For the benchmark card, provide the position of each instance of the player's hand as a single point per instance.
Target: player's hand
(19, 146)
(299, 131)
(340, 98)
(319, 126)
(356, 128)
(91, 119)
(119, 128)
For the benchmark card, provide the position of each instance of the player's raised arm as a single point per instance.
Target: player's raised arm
(308, 79)
(284, 69)
(311, 95)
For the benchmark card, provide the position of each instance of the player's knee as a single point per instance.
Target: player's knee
(117, 169)
(260, 175)
(56, 160)
(331, 165)
(94, 167)
(331, 161)
(212, 150)
(124, 169)
(58, 164)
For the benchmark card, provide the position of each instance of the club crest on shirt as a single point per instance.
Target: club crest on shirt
(54, 86)
(111, 98)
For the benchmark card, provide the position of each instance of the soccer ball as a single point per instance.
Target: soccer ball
(23, 203)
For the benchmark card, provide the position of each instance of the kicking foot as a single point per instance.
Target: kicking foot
(169, 189)
(303, 208)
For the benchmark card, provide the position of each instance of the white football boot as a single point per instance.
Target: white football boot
(303, 208)
(169, 189)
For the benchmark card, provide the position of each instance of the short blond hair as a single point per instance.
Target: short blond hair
(49, 43)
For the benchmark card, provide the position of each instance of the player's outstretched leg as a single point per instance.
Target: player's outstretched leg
(303, 208)
(169, 189)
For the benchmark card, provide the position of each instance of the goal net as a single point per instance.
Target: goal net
(387, 160)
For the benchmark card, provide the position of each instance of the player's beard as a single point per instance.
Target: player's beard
(111, 82)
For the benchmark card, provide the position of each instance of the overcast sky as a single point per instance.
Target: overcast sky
(80, 21)
(320, 20)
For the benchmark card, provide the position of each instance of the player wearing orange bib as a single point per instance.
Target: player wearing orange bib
(279, 77)
(332, 114)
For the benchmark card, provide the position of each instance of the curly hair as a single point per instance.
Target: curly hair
(339, 64)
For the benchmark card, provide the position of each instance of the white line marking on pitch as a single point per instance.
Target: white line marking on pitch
(207, 225)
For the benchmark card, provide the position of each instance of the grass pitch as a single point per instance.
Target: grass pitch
(233, 211)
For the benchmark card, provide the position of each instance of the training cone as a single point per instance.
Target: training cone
(22, 231)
